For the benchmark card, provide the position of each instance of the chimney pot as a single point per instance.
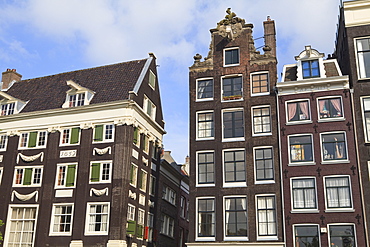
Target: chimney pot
(9, 76)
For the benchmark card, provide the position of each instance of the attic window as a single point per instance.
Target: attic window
(10, 105)
(152, 79)
(7, 109)
(310, 69)
(77, 95)
(77, 99)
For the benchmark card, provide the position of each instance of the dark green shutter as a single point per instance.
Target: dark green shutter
(95, 172)
(32, 139)
(140, 229)
(75, 134)
(136, 135)
(71, 173)
(27, 176)
(131, 227)
(98, 136)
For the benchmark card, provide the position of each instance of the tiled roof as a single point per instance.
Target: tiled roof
(110, 83)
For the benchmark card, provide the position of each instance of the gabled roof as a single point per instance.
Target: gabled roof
(110, 82)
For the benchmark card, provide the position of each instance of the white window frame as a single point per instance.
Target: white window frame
(52, 221)
(131, 212)
(89, 204)
(143, 180)
(222, 88)
(1, 173)
(269, 237)
(146, 103)
(360, 74)
(8, 108)
(233, 184)
(69, 137)
(152, 185)
(169, 194)
(301, 163)
(37, 140)
(197, 88)
(208, 238)
(234, 238)
(322, 147)
(150, 225)
(104, 139)
(134, 184)
(197, 169)
(232, 139)
(305, 121)
(101, 171)
(342, 118)
(308, 224)
(165, 225)
(65, 178)
(32, 176)
(268, 83)
(348, 209)
(153, 77)
(343, 224)
(252, 120)
(303, 210)
(4, 138)
(197, 126)
(267, 181)
(224, 56)
(363, 108)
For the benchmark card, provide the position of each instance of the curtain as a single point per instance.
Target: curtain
(227, 213)
(338, 192)
(304, 109)
(321, 106)
(337, 105)
(292, 109)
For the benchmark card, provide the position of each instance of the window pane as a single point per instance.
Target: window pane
(205, 125)
(236, 217)
(266, 216)
(206, 218)
(304, 193)
(334, 146)
(234, 166)
(300, 148)
(264, 164)
(205, 168)
(231, 56)
(298, 111)
(307, 236)
(338, 193)
(330, 108)
(363, 56)
(260, 83)
(205, 89)
(232, 88)
(261, 120)
(233, 124)
(342, 236)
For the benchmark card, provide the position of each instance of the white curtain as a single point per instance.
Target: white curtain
(303, 197)
(361, 59)
(337, 192)
(227, 214)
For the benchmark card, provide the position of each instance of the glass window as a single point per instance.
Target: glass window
(264, 164)
(100, 172)
(167, 225)
(260, 83)
(205, 125)
(66, 175)
(130, 212)
(206, 168)
(27, 176)
(234, 166)
(70, 136)
(143, 180)
(306, 235)
(97, 218)
(261, 120)
(266, 212)
(338, 192)
(61, 223)
(35, 139)
(136, 136)
(330, 108)
(133, 175)
(152, 185)
(233, 124)
(363, 57)
(232, 88)
(152, 79)
(206, 217)
(310, 69)
(231, 56)
(304, 193)
(140, 223)
(205, 89)
(7, 109)
(104, 133)
(76, 99)
(169, 195)
(149, 107)
(3, 142)
(145, 144)
(150, 225)
(236, 217)
(366, 116)
(334, 146)
(301, 148)
(298, 111)
(342, 235)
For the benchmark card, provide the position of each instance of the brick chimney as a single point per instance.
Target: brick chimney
(270, 36)
(9, 76)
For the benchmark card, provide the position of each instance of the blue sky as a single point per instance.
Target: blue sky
(45, 37)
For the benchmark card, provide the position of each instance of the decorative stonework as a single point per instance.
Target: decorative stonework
(101, 151)
(99, 192)
(68, 153)
(25, 197)
(31, 158)
(132, 195)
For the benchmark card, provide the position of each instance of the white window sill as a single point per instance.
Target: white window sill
(298, 122)
(105, 141)
(233, 185)
(264, 182)
(208, 239)
(235, 238)
(100, 182)
(67, 144)
(338, 210)
(95, 233)
(25, 186)
(263, 134)
(204, 139)
(205, 185)
(25, 148)
(267, 238)
(333, 162)
(233, 139)
(260, 94)
(205, 99)
(310, 163)
(60, 234)
(323, 120)
(232, 100)
(304, 211)
(231, 65)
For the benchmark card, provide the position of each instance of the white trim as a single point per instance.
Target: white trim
(224, 218)
(6, 141)
(342, 118)
(268, 83)
(224, 56)
(350, 209)
(142, 75)
(197, 184)
(101, 171)
(197, 238)
(51, 232)
(155, 79)
(197, 85)
(129, 213)
(146, 102)
(271, 237)
(232, 139)
(358, 65)
(87, 219)
(145, 174)
(334, 161)
(269, 181)
(137, 168)
(308, 224)
(37, 140)
(304, 210)
(1, 173)
(300, 163)
(252, 120)
(233, 184)
(222, 84)
(197, 138)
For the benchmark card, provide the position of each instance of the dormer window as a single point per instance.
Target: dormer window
(77, 95)
(7, 109)
(10, 105)
(310, 69)
(77, 100)
(310, 64)
(149, 107)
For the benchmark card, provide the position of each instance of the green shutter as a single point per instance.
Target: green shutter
(95, 172)
(140, 229)
(136, 135)
(75, 134)
(27, 176)
(71, 173)
(131, 227)
(32, 139)
(98, 136)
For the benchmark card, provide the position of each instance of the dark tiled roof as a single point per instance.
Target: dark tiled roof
(110, 83)
(330, 69)
(291, 73)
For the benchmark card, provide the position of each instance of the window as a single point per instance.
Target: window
(1, 174)
(77, 99)
(149, 107)
(77, 95)
(167, 225)
(298, 111)
(334, 146)
(261, 120)
(306, 235)
(366, 116)
(3, 142)
(136, 136)
(154, 148)
(97, 218)
(236, 217)
(301, 148)
(234, 167)
(260, 83)
(183, 207)
(61, 219)
(21, 226)
(145, 144)
(27, 176)
(266, 216)
(152, 79)
(152, 185)
(150, 224)
(133, 175)
(70, 136)
(204, 89)
(140, 223)
(130, 212)
(310, 69)
(303, 193)
(7, 109)
(169, 195)
(342, 235)
(233, 124)
(205, 125)
(338, 192)
(206, 168)
(143, 179)
(66, 175)
(104, 133)
(206, 217)
(264, 164)
(363, 57)
(36, 139)
(100, 171)
(232, 88)
(231, 56)
(330, 108)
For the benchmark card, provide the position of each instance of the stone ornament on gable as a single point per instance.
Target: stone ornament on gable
(30, 158)
(99, 192)
(25, 197)
(231, 18)
(101, 151)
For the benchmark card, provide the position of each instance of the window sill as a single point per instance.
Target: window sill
(299, 122)
(268, 238)
(232, 100)
(231, 65)
(305, 211)
(95, 233)
(208, 239)
(205, 99)
(233, 185)
(260, 94)
(205, 185)
(236, 239)
(262, 134)
(333, 162)
(25, 148)
(264, 182)
(339, 210)
(310, 163)
(240, 139)
(25, 186)
(100, 182)
(205, 139)
(53, 234)
(324, 120)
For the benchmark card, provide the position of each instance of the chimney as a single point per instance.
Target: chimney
(270, 36)
(9, 76)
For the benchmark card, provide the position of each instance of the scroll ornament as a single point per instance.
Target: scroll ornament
(30, 158)
(102, 151)
(25, 197)
(132, 195)
(99, 192)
